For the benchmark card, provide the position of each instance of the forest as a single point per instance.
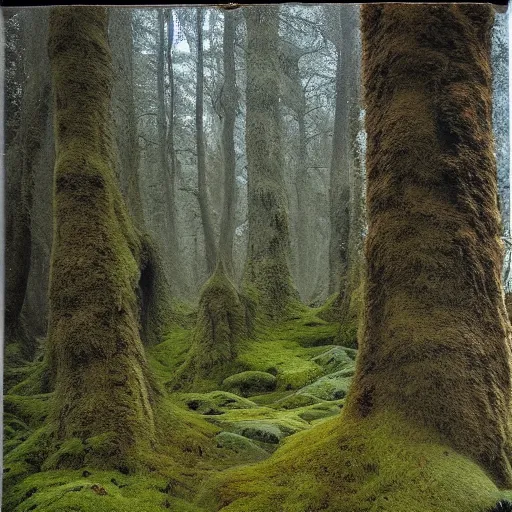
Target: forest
(257, 258)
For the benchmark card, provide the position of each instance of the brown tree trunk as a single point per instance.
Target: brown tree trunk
(202, 189)
(436, 342)
(95, 351)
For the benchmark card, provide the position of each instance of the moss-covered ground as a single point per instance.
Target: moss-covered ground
(281, 446)
(206, 430)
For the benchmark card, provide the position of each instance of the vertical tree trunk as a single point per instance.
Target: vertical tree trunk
(436, 342)
(269, 244)
(95, 351)
(167, 157)
(229, 107)
(339, 193)
(23, 159)
(209, 236)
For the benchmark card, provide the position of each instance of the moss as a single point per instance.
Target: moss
(242, 446)
(250, 383)
(382, 462)
(219, 330)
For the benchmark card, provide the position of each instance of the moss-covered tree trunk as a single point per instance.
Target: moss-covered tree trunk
(436, 341)
(95, 351)
(268, 247)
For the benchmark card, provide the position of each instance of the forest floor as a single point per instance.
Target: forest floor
(288, 378)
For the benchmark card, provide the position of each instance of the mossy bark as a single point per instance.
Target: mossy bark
(220, 326)
(436, 343)
(96, 355)
(267, 268)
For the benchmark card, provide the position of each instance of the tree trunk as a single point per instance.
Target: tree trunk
(95, 351)
(209, 236)
(23, 160)
(269, 245)
(229, 108)
(339, 193)
(167, 159)
(436, 341)
(153, 293)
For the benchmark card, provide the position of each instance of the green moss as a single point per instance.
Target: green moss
(249, 383)
(380, 463)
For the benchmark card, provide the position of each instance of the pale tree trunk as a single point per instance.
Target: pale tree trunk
(96, 357)
(202, 190)
(267, 267)
(167, 159)
(229, 108)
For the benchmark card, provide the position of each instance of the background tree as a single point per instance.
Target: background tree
(269, 244)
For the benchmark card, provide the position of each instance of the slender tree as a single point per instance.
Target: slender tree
(202, 190)
(96, 356)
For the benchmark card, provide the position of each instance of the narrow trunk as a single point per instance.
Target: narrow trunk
(95, 351)
(167, 158)
(229, 108)
(267, 268)
(209, 236)
(339, 192)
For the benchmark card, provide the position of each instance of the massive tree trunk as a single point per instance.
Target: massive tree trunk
(426, 423)
(229, 101)
(202, 190)
(269, 245)
(95, 351)
(437, 339)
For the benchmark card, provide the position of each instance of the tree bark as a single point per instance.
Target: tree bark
(202, 189)
(267, 268)
(96, 355)
(229, 107)
(436, 343)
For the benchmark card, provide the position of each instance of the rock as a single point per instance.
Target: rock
(240, 445)
(259, 431)
(296, 400)
(251, 382)
(331, 387)
(335, 359)
(316, 414)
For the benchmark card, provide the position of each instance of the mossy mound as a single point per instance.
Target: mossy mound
(241, 446)
(215, 402)
(379, 463)
(250, 383)
(330, 387)
(336, 358)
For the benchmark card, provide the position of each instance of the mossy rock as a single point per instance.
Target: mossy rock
(215, 402)
(330, 387)
(317, 414)
(250, 382)
(259, 431)
(297, 400)
(334, 360)
(241, 445)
